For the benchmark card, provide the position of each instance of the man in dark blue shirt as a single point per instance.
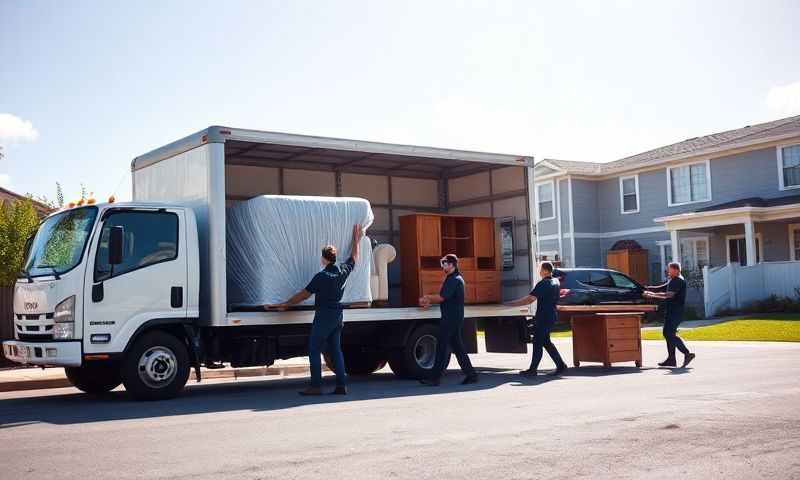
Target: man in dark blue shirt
(674, 295)
(546, 294)
(328, 288)
(451, 327)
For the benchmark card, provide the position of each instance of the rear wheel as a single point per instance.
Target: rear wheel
(415, 360)
(156, 367)
(358, 361)
(94, 378)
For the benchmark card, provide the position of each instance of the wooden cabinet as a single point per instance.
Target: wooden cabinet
(632, 263)
(426, 238)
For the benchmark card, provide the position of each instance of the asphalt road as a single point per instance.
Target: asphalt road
(735, 414)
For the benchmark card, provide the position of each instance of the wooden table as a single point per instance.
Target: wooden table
(606, 333)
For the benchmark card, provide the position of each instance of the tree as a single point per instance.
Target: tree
(18, 221)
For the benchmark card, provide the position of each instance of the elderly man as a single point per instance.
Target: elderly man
(674, 294)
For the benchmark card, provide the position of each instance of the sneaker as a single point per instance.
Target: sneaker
(670, 362)
(340, 390)
(311, 391)
(470, 379)
(528, 373)
(687, 359)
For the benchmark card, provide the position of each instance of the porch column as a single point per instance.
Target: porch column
(750, 241)
(676, 254)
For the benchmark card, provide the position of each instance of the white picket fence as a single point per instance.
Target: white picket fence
(734, 286)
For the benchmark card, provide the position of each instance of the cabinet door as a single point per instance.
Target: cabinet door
(483, 233)
(429, 230)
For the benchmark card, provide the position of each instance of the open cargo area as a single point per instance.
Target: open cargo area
(215, 169)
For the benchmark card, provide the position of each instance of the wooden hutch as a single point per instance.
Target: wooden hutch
(426, 238)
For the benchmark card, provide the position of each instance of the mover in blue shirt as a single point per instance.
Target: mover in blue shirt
(674, 294)
(546, 293)
(451, 327)
(326, 331)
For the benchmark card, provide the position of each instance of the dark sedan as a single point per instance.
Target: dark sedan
(594, 286)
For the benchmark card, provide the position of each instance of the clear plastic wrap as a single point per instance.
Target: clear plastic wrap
(275, 242)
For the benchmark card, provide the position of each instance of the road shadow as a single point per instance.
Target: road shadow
(254, 395)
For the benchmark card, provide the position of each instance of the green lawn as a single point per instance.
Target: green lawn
(767, 328)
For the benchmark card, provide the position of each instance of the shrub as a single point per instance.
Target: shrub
(18, 221)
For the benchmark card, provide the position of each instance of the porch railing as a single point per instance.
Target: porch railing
(734, 286)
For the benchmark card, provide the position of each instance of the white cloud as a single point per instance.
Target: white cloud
(14, 129)
(5, 180)
(785, 99)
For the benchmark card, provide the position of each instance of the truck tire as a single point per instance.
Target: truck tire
(415, 360)
(94, 378)
(358, 361)
(156, 367)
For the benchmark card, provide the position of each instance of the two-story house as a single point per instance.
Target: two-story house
(732, 196)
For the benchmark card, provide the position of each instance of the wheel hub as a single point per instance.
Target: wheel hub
(158, 366)
(425, 351)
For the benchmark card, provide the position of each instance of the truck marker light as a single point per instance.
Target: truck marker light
(100, 338)
(98, 356)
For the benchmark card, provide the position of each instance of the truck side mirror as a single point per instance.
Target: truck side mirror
(115, 244)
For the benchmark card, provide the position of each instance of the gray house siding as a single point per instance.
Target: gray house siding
(563, 203)
(734, 177)
(585, 206)
(588, 252)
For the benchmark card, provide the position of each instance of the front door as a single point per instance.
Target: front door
(149, 284)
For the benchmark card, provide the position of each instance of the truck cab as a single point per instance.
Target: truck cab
(95, 280)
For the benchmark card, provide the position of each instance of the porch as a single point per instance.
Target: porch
(740, 252)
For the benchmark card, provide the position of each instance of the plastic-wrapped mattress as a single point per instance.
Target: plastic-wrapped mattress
(275, 244)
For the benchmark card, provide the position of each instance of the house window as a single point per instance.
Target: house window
(694, 253)
(629, 194)
(789, 166)
(545, 206)
(689, 183)
(737, 249)
(794, 241)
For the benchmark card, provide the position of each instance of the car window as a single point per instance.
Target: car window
(600, 279)
(148, 238)
(570, 279)
(622, 281)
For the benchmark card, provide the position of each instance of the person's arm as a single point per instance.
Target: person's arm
(448, 291)
(526, 300)
(298, 297)
(657, 288)
(649, 293)
(293, 300)
(358, 232)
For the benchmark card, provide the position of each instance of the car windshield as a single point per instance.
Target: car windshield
(59, 242)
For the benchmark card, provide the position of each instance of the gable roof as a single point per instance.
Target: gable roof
(749, 135)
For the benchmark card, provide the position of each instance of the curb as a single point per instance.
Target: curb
(234, 373)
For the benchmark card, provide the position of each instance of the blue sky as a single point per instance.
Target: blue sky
(86, 86)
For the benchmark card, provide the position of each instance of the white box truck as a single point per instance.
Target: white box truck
(135, 293)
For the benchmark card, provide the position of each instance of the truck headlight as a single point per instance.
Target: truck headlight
(64, 318)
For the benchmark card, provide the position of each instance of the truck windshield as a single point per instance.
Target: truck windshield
(59, 242)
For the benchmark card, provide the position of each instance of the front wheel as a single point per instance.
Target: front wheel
(358, 361)
(94, 378)
(156, 367)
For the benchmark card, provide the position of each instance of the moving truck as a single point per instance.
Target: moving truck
(146, 322)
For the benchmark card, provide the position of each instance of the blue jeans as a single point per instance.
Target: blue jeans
(326, 331)
(670, 331)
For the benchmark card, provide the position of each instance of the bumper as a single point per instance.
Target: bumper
(65, 354)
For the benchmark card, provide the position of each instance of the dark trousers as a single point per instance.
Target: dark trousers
(541, 341)
(670, 332)
(451, 338)
(326, 335)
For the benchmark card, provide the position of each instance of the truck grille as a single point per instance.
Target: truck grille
(34, 327)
